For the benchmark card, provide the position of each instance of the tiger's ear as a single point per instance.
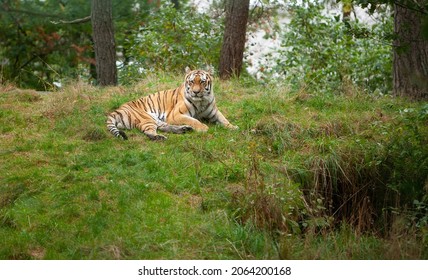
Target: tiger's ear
(188, 69)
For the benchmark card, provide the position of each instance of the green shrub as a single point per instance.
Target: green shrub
(404, 160)
(329, 55)
(172, 39)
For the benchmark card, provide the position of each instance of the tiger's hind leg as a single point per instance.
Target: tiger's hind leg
(150, 131)
(114, 124)
(177, 129)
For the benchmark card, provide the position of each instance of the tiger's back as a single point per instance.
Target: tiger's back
(178, 110)
(144, 112)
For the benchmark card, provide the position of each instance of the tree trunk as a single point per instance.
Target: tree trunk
(410, 76)
(104, 45)
(232, 51)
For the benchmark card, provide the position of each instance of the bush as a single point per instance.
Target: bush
(172, 39)
(275, 207)
(404, 160)
(329, 54)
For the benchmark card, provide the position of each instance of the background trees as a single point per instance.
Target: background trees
(34, 52)
(170, 35)
(38, 49)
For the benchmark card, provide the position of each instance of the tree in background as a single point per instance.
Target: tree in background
(104, 43)
(232, 51)
(36, 53)
(410, 76)
(410, 67)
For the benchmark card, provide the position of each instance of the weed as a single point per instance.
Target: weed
(272, 207)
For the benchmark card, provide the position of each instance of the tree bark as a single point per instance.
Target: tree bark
(232, 51)
(410, 75)
(104, 44)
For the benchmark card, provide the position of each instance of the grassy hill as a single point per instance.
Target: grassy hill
(307, 176)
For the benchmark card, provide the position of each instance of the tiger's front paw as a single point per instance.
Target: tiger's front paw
(201, 128)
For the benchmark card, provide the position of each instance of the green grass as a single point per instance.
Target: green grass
(305, 177)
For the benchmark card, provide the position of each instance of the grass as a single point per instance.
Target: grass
(306, 177)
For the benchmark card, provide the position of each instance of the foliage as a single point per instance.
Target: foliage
(273, 206)
(416, 5)
(283, 186)
(38, 53)
(407, 145)
(35, 52)
(172, 39)
(328, 54)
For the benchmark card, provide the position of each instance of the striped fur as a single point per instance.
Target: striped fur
(178, 110)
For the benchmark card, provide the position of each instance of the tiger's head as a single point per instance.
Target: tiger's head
(198, 85)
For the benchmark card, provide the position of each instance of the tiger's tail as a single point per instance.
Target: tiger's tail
(113, 121)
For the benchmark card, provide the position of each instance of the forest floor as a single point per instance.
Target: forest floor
(303, 178)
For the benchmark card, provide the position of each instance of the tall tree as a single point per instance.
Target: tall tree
(410, 68)
(232, 51)
(104, 43)
(410, 76)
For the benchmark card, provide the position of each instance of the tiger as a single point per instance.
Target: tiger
(177, 110)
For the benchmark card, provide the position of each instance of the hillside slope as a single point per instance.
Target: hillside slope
(306, 176)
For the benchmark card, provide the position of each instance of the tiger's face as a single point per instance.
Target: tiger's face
(198, 85)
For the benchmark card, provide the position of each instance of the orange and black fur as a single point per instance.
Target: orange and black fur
(177, 110)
